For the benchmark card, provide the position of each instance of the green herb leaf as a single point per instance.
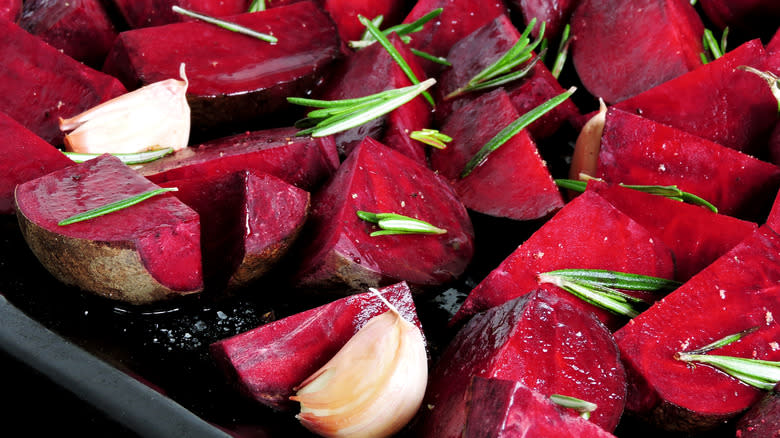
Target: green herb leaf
(512, 129)
(429, 57)
(431, 137)
(761, 374)
(257, 6)
(563, 52)
(712, 49)
(114, 206)
(403, 30)
(393, 52)
(340, 115)
(583, 407)
(618, 280)
(392, 223)
(772, 79)
(233, 27)
(129, 159)
(723, 341)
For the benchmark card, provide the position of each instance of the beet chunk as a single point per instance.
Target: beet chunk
(234, 79)
(10, 9)
(637, 150)
(588, 233)
(304, 162)
(147, 13)
(717, 101)
(538, 340)
(80, 28)
(752, 16)
(141, 254)
(737, 292)
(503, 408)
(377, 179)
(25, 156)
(514, 181)
(622, 48)
(268, 362)
(248, 219)
(763, 419)
(39, 84)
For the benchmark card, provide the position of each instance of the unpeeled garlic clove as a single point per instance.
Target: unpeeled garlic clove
(586, 151)
(373, 386)
(155, 116)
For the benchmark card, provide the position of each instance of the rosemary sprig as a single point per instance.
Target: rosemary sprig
(257, 5)
(761, 374)
(393, 52)
(130, 158)
(114, 206)
(429, 57)
(391, 224)
(340, 115)
(772, 79)
(402, 30)
(671, 192)
(500, 72)
(601, 288)
(513, 128)
(563, 52)
(233, 27)
(712, 49)
(431, 137)
(579, 405)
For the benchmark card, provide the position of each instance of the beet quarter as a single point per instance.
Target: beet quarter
(141, 254)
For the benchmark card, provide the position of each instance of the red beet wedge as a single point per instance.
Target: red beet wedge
(514, 181)
(234, 79)
(737, 292)
(637, 150)
(268, 362)
(25, 156)
(622, 48)
(588, 233)
(377, 179)
(144, 253)
(538, 340)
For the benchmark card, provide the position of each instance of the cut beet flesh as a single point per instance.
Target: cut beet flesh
(268, 362)
(763, 419)
(147, 13)
(233, 79)
(25, 156)
(141, 254)
(481, 48)
(773, 221)
(538, 340)
(636, 150)
(80, 28)
(371, 70)
(458, 19)
(554, 13)
(377, 179)
(513, 182)
(622, 48)
(588, 233)
(696, 236)
(717, 101)
(500, 408)
(10, 9)
(737, 292)
(302, 161)
(39, 84)
(248, 222)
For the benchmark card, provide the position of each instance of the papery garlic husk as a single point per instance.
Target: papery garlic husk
(155, 116)
(372, 387)
(585, 158)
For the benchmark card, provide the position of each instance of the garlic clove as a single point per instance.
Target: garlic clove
(155, 116)
(586, 150)
(373, 386)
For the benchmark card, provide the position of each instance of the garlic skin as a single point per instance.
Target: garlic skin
(586, 150)
(155, 116)
(372, 387)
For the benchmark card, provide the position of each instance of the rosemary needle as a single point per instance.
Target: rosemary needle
(114, 206)
(227, 25)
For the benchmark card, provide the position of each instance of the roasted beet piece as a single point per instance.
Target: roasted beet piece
(752, 16)
(555, 14)
(480, 49)
(234, 79)
(717, 101)
(141, 254)
(514, 181)
(737, 292)
(80, 28)
(696, 236)
(267, 362)
(302, 161)
(588, 233)
(248, 222)
(763, 419)
(25, 156)
(622, 48)
(538, 340)
(499, 408)
(39, 84)
(372, 70)
(146, 13)
(637, 150)
(10, 9)
(377, 179)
